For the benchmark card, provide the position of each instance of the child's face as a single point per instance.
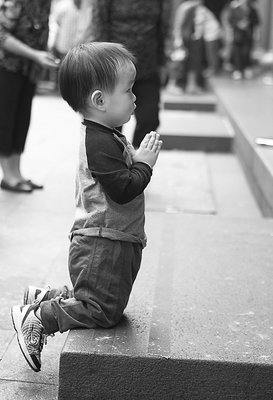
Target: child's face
(120, 104)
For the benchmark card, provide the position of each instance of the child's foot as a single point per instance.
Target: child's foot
(34, 294)
(30, 333)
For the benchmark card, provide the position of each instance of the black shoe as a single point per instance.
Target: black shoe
(20, 187)
(33, 185)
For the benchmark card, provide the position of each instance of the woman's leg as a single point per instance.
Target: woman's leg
(10, 86)
(237, 60)
(23, 117)
(196, 80)
(16, 94)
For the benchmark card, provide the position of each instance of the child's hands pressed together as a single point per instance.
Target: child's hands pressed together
(149, 149)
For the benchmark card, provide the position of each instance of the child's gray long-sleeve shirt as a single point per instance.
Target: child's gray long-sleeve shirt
(109, 187)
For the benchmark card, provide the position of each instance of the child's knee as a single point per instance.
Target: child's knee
(108, 318)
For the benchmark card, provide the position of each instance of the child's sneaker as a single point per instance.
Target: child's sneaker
(34, 294)
(30, 333)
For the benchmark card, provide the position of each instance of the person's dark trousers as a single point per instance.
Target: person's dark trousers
(16, 95)
(242, 55)
(194, 62)
(242, 46)
(178, 71)
(147, 92)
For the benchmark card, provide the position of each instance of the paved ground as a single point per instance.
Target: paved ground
(33, 241)
(34, 227)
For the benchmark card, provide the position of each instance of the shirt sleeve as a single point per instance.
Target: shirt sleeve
(9, 14)
(107, 164)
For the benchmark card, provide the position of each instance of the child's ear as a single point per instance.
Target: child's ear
(97, 99)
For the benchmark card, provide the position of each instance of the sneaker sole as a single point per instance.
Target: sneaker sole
(30, 295)
(16, 316)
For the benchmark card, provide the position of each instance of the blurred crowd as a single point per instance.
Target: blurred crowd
(199, 43)
(204, 45)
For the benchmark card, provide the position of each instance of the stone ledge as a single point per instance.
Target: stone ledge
(248, 105)
(206, 102)
(121, 377)
(199, 322)
(195, 131)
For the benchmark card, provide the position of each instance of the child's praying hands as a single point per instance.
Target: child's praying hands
(149, 149)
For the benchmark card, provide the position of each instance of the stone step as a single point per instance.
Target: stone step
(248, 105)
(195, 131)
(199, 321)
(200, 183)
(206, 102)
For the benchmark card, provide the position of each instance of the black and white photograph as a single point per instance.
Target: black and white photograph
(136, 199)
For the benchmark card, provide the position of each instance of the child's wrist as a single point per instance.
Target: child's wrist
(144, 162)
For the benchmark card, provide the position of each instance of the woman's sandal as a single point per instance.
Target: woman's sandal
(34, 185)
(20, 187)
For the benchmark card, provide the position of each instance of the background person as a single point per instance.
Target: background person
(23, 43)
(144, 27)
(244, 19)
(64, 23)
(212, 38)
(189, 31)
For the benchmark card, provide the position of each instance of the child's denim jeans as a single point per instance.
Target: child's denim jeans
(102, 272)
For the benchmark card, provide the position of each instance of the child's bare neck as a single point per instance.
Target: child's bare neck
(97, 120)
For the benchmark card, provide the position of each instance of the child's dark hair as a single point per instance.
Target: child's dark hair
(89, 67)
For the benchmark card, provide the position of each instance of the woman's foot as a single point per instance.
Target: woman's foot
(175, 90)
(33, 184)
(195, 90)
(19, 187)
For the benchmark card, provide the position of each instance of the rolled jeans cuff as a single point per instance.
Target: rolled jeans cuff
(48, 317)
